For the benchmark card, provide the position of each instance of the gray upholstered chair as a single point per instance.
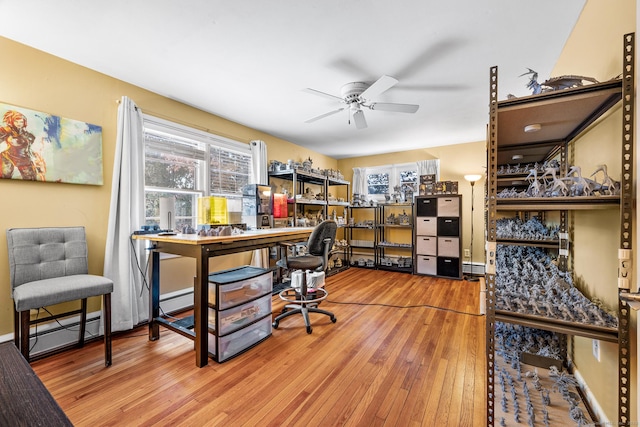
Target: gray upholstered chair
(49, 266)
(316, 258)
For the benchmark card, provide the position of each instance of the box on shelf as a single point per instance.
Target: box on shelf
(428, 179)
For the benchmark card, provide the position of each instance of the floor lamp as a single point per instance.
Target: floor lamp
(472, 180)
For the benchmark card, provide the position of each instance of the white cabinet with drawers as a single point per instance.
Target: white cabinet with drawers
(438, 243)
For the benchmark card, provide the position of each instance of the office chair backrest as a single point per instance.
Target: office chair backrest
(326, 229)
(45, 253)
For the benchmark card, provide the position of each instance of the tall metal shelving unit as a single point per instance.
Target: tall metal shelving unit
(576, 109)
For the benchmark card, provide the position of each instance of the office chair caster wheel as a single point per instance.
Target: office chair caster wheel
(333, 319)
(309, 329)
(275, 325)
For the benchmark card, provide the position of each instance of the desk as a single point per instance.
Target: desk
(203, 248)
(24, 400)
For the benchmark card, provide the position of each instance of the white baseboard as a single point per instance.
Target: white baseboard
(176, 301)
(52, 335)
(591, 399)
(476, 269)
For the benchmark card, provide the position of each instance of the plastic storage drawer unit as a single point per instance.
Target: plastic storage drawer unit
(238, 285)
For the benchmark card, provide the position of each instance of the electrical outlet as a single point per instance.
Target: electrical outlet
(467, 253)
(596, 349)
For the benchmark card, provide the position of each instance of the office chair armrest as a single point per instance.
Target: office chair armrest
(327, 250)
(287, 245)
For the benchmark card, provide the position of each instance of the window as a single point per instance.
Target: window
(183, 164)
(378, 183)
(391, 179)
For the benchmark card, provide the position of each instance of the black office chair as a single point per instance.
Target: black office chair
(316, 258)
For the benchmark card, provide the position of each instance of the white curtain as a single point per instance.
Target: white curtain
(259, 172)
(259, 175)
(429, 167)
(359, 181)
(123, 261)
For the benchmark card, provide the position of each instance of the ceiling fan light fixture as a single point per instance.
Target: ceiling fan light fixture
(534, 127)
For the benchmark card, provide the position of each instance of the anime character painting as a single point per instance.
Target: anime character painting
(37, 146)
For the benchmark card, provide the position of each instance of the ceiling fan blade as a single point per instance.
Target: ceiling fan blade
(382, 84)
(323, 94)
(322, 116)
(400, 108)
(358, 118)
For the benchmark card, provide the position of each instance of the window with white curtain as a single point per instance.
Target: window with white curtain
(187, 163)
(385, 179)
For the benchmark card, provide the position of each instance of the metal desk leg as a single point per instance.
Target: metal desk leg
(154, 298)
(201, 308)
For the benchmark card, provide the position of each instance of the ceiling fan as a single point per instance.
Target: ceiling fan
(357, 95)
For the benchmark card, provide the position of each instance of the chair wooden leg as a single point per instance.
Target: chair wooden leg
(107, 329)
(83, 323)
(25, 323)
(16, 327)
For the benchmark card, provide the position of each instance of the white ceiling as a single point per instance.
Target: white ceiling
(249, 60)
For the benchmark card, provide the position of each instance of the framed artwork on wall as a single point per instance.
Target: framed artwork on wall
(37, 146)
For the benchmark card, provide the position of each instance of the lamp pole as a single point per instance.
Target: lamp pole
(472, 180)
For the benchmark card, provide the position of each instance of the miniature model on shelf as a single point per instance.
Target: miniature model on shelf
(312, 190)
(524, 287)
(311, 198)
(554, 83)
(361, 234)
(536, 390)
(548, 184)
(395, 237)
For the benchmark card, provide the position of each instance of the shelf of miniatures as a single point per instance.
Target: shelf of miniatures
(543, 195)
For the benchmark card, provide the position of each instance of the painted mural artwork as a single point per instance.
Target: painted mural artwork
(37, 146)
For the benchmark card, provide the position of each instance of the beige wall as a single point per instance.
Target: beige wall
(45, 83)
(595, 49)
(455, 162)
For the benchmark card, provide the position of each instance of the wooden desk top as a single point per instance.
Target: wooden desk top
(194, 239)
(24, 400)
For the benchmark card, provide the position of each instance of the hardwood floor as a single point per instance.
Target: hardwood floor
(390, 360)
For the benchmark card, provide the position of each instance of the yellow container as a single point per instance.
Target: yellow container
(212, 210)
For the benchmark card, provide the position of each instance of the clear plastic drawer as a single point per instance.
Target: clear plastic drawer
(235, 343)
(238, 285)
(235, 318)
